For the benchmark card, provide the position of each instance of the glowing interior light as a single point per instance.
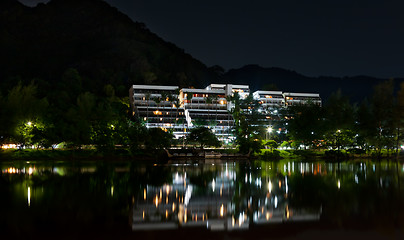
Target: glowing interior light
(112, 190)
(144, 194)
(339, 184)
(221, 210)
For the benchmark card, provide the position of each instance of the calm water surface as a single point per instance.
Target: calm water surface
(39, 197)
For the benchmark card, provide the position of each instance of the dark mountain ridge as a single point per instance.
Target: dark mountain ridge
(107, 47)
(357, 87)
(100, 42)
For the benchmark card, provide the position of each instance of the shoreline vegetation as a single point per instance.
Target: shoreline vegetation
(103, 126)
(124, 154)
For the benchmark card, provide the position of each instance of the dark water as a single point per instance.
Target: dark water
(126, 198)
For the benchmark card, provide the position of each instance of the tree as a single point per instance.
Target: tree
(272, 144)
(399, 114)
(23, 110)
(157, 139)
(305, 124)
(382, 106)
(204, 137)
(339, 120)
(247, 129)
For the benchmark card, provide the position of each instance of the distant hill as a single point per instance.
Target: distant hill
(103, 44)
(357, 88)
(107, 47)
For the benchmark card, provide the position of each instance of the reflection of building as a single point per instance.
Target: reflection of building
(172, 108)
(227, 202)
(183, 204)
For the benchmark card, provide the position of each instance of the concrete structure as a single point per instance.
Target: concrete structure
(178, 110)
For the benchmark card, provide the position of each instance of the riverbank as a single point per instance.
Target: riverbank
(189, 154)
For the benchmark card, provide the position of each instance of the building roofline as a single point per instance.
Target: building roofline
(193, 90)
(155, 87)
(268, 92)
(301, 94)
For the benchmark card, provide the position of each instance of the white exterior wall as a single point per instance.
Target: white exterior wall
(183, 117)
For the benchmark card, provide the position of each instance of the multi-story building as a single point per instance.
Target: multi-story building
(159, 107)
(178, 110)
(293, 99)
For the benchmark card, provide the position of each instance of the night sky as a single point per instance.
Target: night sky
(312, 37)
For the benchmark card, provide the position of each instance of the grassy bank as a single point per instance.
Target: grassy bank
(125, 154)
(328, 155)
(78, 154)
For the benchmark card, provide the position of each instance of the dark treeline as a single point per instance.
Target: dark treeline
(40, 115)
(376, 123)
(68, 115)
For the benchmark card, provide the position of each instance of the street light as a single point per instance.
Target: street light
(269, 130)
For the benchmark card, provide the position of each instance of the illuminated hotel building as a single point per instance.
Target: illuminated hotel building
(179, 110)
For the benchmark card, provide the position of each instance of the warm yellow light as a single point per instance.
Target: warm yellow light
(156, 201)
(221, 210)
(144, 194)
(29, 123)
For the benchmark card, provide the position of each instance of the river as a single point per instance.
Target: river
(76, 199)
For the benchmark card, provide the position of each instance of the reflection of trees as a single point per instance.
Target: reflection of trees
(367, 193)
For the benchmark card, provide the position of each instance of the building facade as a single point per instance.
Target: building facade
(179, 110)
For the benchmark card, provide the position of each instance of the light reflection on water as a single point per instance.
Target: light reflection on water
(220, 196)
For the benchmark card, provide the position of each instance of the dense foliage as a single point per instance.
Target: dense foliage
(373, 124)
(33, 116)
